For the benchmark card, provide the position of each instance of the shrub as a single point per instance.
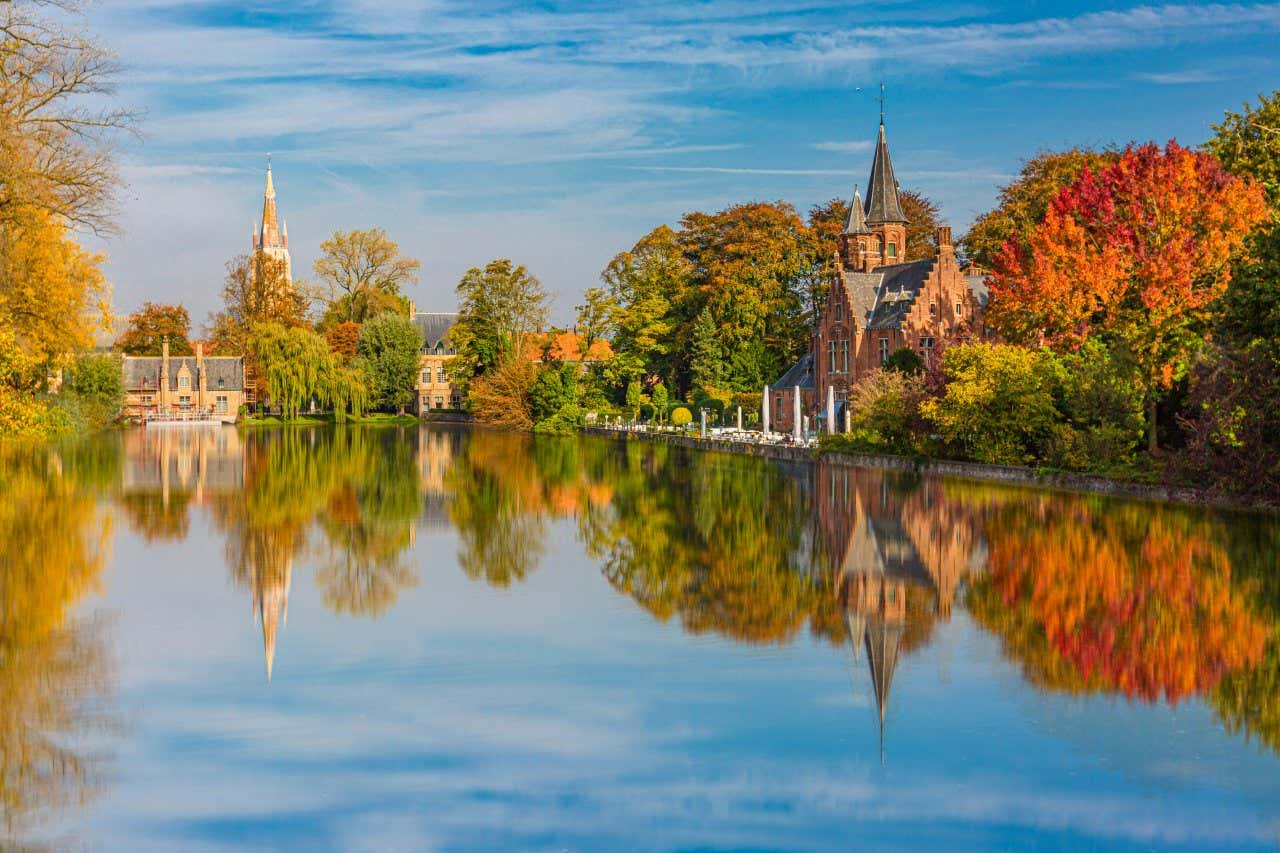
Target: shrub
(681, 417)
(564, 422)
(1101, 399)
(884, 409)
(998, 403)
(905, 360)
(97, 384)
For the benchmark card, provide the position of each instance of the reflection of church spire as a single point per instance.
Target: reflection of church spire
(271, 609)
(883, 639)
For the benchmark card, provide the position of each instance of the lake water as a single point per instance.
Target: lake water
(412, 638)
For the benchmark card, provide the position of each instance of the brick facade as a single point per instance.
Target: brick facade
(877, 305)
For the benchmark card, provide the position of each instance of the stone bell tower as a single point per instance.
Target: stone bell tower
(270, 236)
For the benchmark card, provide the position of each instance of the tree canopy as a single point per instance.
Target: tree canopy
(361, 274)
(150, 326)
(388, 348)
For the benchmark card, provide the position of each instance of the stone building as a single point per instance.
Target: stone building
(878, 303)
(183, 386)
(436, 390)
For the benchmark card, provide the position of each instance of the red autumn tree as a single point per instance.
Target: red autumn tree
(1135, 252)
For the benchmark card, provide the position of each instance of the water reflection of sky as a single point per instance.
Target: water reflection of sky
(556, 714)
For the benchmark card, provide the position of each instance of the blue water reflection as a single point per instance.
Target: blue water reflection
(413, 639)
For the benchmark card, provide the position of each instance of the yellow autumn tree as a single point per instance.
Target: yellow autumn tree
(54, 297)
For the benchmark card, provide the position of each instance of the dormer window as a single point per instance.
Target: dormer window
(184, 381)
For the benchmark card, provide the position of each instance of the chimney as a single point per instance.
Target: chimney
(164, 350)
(943, 235)
(199, 351)
(413, 309)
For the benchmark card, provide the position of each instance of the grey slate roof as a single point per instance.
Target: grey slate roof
(883, 204)
(863, 289)
(435, 330)
(899, 287)
(856, 224)
(142, 373)
(978, 287)
(801, 373)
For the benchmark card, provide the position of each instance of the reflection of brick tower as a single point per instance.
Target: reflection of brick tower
(270, 236)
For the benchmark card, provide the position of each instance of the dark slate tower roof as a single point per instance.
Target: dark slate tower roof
(856, 224)
(882, 199)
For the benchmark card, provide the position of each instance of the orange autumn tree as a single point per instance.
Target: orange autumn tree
(1135, 252)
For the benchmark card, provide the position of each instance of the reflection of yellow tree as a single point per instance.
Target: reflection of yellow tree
(498, 506)
(368, 525)
(716, 540)
(54, 674)
(1126, 597)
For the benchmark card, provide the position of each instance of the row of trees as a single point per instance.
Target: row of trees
(345, 344)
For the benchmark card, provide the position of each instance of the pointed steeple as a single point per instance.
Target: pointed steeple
(883, 204)
(856, 224)
(270, 223)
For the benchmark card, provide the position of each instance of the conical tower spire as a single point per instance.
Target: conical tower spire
(270, 222)
(856, 223)
(883, 204)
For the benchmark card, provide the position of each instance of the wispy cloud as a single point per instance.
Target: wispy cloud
(857, 146)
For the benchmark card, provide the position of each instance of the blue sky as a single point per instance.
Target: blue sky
(559, 133)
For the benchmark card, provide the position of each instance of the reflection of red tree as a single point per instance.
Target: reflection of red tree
(1136, 599)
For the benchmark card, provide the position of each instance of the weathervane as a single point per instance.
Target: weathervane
(882, 103)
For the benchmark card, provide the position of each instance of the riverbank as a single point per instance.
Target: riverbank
(1007, 474)
(327, 419)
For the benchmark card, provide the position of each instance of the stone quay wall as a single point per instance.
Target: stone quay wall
(1008, 474)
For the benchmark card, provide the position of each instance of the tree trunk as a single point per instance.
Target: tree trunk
(1152, 444)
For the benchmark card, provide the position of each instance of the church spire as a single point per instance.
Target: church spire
(270, 222)
(883, 204)
(856, 223)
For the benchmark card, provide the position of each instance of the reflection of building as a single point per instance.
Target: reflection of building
(195, 462)
(437, 451)
(435, 388)
(186, 385)
(878, 302)
(897, 556)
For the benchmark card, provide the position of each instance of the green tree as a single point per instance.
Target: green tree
(707, 363)
(644, 285)
(388, 348)
(154, 323)
(498, 306)
(595, 316)
(361, 274)
(905, 360)
(661, 401)
(97, 383)
(635, 398)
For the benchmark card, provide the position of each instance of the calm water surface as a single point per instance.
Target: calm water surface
(394, 639)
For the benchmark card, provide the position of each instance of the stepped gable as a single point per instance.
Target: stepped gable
(900, 285)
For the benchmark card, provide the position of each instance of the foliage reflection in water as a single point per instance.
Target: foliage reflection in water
(1151, 604)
